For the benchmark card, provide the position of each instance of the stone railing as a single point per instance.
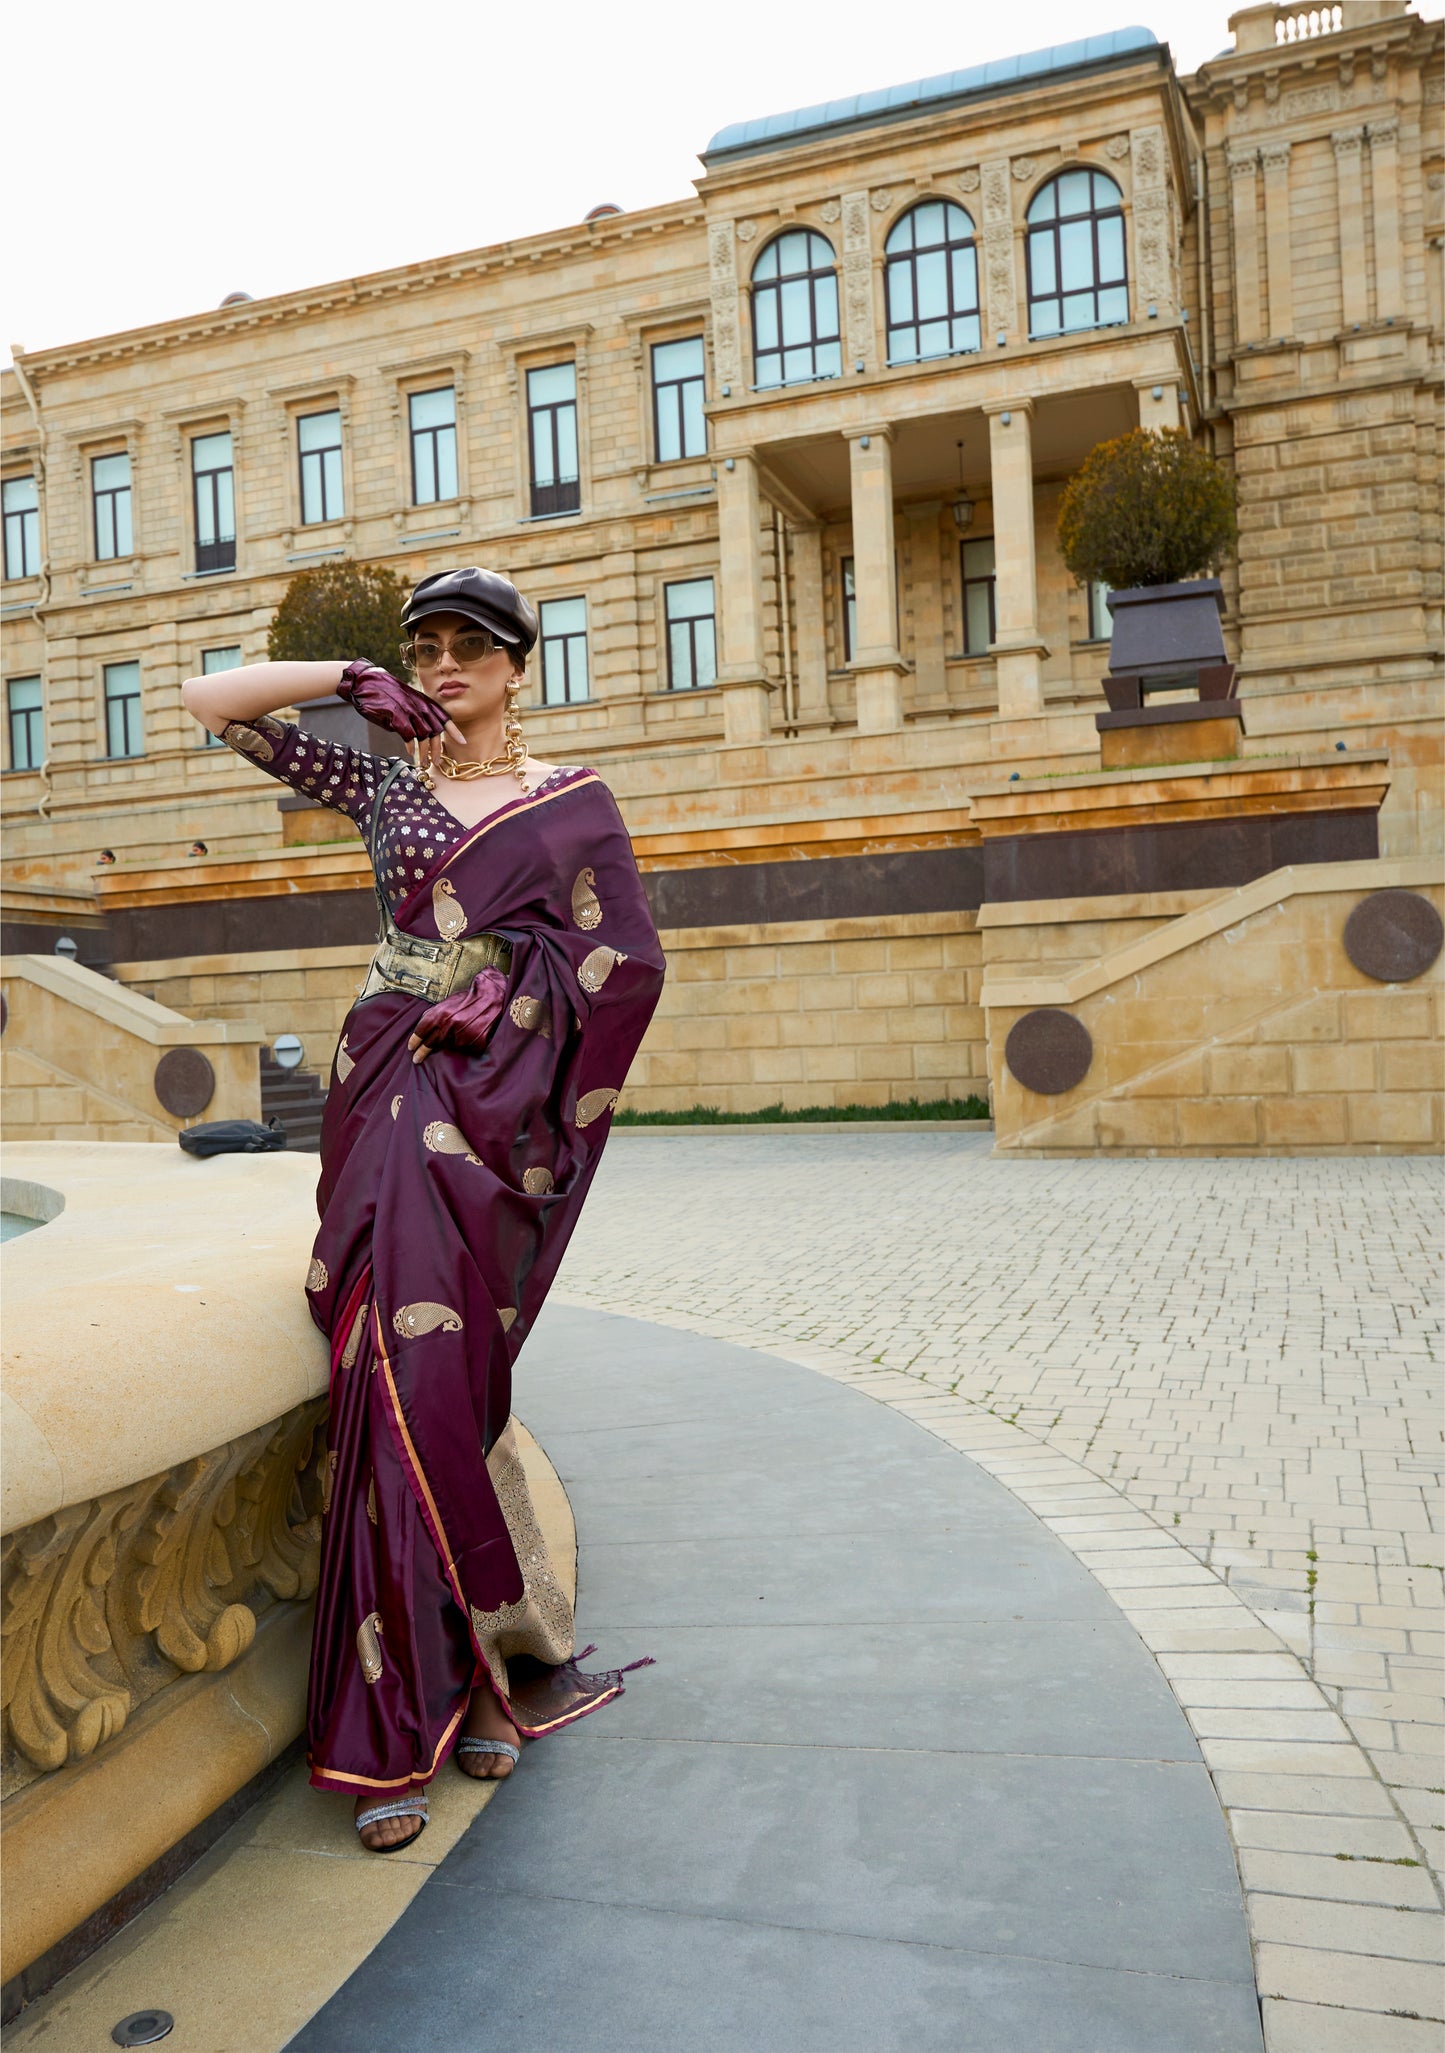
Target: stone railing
(160, 1501)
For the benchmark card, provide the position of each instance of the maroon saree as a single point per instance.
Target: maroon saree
(448, 1192)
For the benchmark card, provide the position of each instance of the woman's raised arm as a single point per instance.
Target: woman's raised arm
(257, 688)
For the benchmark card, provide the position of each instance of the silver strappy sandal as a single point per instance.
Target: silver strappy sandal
(503, 1747)
(413, 1806)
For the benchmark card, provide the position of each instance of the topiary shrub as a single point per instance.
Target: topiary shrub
(1149, 508)
(337, 611)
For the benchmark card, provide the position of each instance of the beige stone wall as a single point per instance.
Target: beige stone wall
(302, 991)
(1237, 1026)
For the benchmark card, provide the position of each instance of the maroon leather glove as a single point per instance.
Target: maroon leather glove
(466, 1018)
(378, 696)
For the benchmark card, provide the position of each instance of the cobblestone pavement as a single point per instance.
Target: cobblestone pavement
(1216, 1379)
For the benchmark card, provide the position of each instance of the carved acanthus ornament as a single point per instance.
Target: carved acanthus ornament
(998, 247)
(1153, 227)
(107, 1602)
(726, 333)
(857, 278)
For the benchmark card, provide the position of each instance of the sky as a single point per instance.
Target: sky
(179, 152)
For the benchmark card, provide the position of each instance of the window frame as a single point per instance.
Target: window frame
(897, 259)
(113, 493)
(26, 714)
(305, 456)
(762, 289)
(414, 435)
(123, 700)
(966, 583)
(216, 549)
(562, 495)
(1098, 619)
(27, 533)
(1093, 215)
(691, 621)
(207, 670)
(848, 593)
(678, 385)
(546, 641)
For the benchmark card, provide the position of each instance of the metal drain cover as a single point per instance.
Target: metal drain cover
(143, 2028)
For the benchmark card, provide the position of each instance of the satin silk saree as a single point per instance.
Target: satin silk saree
(449, 1190)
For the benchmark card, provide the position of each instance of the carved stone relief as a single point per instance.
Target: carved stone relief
(107, 1602)
(726, 334)
(857, 279)
(968, 180)
(1153, 235)
(998, 247)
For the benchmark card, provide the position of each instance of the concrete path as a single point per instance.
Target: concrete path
(903, 1778)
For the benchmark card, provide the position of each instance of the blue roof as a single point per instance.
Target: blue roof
(891, 103)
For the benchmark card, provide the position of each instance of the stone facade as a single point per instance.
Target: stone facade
(1281, 226)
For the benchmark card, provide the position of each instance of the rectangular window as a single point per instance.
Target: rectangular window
(26, 716)
(850, 609)
(318, 442)
(22, 527)
(564, 651)
(552, 437)
(691, 635)
(212, 661)
(213, 483)
(679, 428)
(980, 625)
(1101, 621)
(122, 709)
(433, 418)
(110, 497)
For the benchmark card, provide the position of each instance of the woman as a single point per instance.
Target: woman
(469, 1100)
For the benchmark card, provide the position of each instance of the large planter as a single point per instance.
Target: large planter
(1164, 632)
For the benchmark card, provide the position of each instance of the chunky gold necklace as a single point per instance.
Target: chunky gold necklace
(513, 756)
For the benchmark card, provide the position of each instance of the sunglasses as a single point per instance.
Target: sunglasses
(426, 651)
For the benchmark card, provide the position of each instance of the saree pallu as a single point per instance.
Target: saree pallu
(448, 1192)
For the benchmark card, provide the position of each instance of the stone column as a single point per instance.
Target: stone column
(1159, 401)
(1349, 175)
(810, 623)
(926, 579)
(1017, 648)
(1385, 196)
(1242, 169)
(742, 673)
(877, 665)
(1279, 262)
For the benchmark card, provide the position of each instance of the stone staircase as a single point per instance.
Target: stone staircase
(297, 1098)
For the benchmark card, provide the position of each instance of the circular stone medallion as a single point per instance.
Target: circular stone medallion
(1393, 936)
(1048, 1051)
(185, 1082)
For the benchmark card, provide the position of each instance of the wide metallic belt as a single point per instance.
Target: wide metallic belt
(433, 969)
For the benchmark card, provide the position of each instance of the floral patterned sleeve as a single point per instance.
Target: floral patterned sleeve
(328, 771)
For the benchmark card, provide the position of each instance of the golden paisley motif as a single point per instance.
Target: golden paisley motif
(238, 735)
(328, 1479)
(594, 1104)
(508, 1316)
(450, 916)
(442, 1138)
(353, 1338)
(368, 1646)
(316, 1276)
(598, 967)
(533, 1015)
(539, 1182)
(345, 1062)
(371, 1500)
(396, 1105)
(586, 905)
(412, 1321)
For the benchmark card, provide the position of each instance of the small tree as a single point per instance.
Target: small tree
(337, 611)
(1150, 508)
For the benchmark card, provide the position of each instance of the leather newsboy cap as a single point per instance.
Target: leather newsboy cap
(485, 596)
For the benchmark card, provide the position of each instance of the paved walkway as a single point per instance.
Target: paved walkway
(904, 1777)
(1217, 1381)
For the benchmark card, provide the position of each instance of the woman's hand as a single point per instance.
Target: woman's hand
(462, 1021)
(386, 702)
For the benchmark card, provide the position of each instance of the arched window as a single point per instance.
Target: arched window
(795, 311)
(1076, 255)
(932, 283)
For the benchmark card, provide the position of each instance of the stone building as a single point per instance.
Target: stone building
(780, 465)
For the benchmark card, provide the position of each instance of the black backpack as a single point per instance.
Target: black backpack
(233, 1137)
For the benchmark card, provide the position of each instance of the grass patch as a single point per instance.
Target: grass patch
(776, 1115)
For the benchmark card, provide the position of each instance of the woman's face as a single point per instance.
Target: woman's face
(470, 685)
